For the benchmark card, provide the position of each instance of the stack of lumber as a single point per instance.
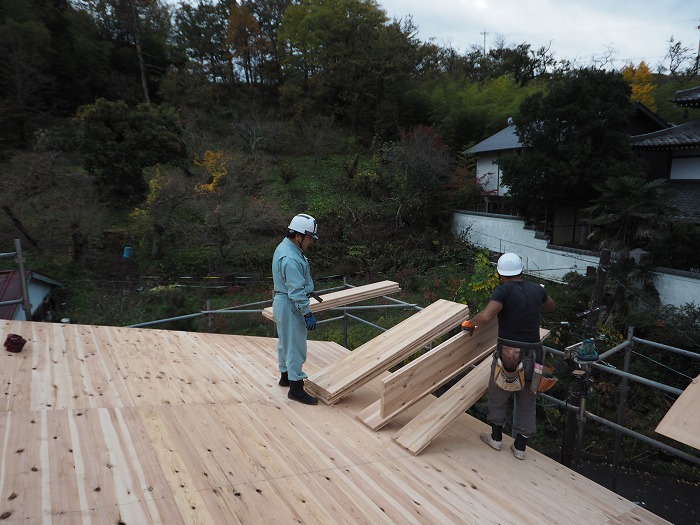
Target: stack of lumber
(425, 427)
(347, 296)
(682, 422)
(429, 372)
(386, 350)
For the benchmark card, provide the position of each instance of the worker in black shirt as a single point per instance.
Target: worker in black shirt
(518, 305)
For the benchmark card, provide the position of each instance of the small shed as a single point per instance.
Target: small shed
(42, 291)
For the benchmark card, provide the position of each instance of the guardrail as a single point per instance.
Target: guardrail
(618, 426)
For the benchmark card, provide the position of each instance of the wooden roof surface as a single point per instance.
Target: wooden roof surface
(681, 422)
(108, 425)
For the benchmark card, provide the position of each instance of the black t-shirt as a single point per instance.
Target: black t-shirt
(520, 318)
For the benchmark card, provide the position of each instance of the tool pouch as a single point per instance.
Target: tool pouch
(518, 363)
(509, 381)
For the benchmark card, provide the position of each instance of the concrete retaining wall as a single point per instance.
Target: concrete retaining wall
(502, 233)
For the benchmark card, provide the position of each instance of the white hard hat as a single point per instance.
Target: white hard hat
(510, 264)
(304, 224)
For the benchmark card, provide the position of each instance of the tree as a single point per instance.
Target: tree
(519, 62)
(641, 81)
(573, 137)
(253, 34)
(678, 57)
(419, 168)
(169, 190)
(118, 142)
(25, 76)
(53, 60)
(344, 56)
(629, 212)
(140, 33)
(49, 202)
(269, 15)
(200, 36)
(231, 208)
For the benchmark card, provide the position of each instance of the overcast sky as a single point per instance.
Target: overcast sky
(577, 29)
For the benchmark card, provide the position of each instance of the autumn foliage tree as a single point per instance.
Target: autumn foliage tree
(641, 81)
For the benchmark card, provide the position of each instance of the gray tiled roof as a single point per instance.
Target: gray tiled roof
(689, 98)
(504, 139)
(683, 136)
(685, 197)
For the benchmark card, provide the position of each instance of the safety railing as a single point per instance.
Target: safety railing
(583, 415)
(257, 308)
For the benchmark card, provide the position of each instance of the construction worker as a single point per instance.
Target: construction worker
(518, 305)
(291, 275)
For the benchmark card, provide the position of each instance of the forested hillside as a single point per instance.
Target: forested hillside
(193, 132)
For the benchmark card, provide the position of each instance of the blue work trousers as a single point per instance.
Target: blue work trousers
(291, 331)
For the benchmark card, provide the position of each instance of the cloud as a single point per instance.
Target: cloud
(637, 30)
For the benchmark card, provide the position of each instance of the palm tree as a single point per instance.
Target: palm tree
(629, 212)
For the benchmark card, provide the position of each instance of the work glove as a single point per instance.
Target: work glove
(310, 321)
(468, 327)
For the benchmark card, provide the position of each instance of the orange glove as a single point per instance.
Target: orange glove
(468, 327)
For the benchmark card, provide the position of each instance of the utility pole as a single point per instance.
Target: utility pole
(697, 57)
(139, 52)
(484, 33)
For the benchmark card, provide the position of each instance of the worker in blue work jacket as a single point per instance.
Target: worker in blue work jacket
(291, 275)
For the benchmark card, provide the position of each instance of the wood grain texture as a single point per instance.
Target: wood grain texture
(347, 296)
(681, 422)
(424, 428)
(105, 425)
(436, 367)
(386, 350)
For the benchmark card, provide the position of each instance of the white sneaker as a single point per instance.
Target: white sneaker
(486, 438)
(520, 454)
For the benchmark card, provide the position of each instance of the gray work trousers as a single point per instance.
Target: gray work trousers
(524, 421)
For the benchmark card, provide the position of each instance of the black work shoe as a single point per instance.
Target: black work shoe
(284, 379)
(297, 393)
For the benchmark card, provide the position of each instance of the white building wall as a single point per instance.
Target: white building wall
(489, 174)
(678, 289)
(501, 233)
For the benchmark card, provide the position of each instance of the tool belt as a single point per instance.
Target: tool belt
(509, 381)
(511, 357)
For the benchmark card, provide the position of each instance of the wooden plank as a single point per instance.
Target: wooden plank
(427, 373)
(435, 368)
(384, 351)
(681, 422)
(347, 296)
(423, 429)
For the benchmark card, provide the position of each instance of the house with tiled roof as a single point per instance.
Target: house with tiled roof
(551, 251)
(674, 154)
(488, 172)
(567, 226)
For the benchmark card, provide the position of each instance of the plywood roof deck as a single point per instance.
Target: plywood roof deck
(107, 425)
